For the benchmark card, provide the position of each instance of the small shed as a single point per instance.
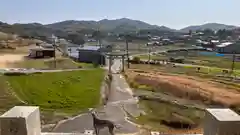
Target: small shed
(41, 52)
(228, 48)
(92, 54)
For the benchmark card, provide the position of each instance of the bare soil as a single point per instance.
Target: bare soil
(7, 59)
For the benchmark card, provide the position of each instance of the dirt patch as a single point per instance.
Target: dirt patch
(188, 87)
(7, 59)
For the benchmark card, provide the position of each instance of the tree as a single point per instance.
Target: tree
(76, 38)
(190, 32)
(208, 32)
(98, 35)
(223, 34)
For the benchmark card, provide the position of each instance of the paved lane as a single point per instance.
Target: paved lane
(120, 100)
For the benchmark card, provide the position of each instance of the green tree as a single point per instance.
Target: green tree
(76, 38)
(223, 34)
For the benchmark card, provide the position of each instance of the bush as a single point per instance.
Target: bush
(176, 60)
(95, 65)
(136, 60)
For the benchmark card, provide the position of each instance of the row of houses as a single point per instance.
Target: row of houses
(221, 47)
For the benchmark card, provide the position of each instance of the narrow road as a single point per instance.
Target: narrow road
(120, 101)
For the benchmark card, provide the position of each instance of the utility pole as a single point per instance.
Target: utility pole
(100, 44)
(54, 47)
(149, 49)
(149, 55)
(126, 38)
(233, 63)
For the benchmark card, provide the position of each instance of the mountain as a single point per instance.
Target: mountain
(212, 26)
(31, 30)
(117, 25)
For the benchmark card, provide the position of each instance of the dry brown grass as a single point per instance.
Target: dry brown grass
(188, 87)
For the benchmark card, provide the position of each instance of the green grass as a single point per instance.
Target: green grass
(197, 59)
(212, 61)
(61, 63)
(157, 112)
(68, 92)
(7, 100)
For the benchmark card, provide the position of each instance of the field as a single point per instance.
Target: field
(174, 98)
(198, 58)
(58, 94)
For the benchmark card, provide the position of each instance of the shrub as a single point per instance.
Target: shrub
(176, 60)
(136, 60)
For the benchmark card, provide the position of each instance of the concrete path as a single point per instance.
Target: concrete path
(120, 101)
(23, 70)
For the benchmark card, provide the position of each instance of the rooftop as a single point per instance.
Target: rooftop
(224, 44)
(93, 48)
(41, 49)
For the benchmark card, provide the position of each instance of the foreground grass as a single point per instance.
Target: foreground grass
(7, 99)
(61, 63)
(68, 92)
(164, 117)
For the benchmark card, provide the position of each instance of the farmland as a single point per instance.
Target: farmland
(177, 100)
(198, 58)
(174, 97)
(48, 90)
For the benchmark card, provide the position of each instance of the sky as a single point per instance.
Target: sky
(171, 13)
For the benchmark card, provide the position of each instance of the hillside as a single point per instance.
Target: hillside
(72, 28)
(212, 26)
(117, 25)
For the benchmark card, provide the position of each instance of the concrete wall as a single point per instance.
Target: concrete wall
(221, 122)
(91, 56)
(21, 120)
(25, 120)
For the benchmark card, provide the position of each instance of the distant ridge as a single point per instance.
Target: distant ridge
(121, 25)
(117, 25)
(212, 26)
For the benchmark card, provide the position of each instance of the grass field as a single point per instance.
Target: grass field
(166, 117)
(205, 72)
(197, 59)
(185, 85)
(65, 93)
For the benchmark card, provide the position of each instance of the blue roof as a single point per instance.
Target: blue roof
(94, 48)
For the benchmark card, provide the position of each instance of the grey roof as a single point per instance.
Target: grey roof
(93, 48)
